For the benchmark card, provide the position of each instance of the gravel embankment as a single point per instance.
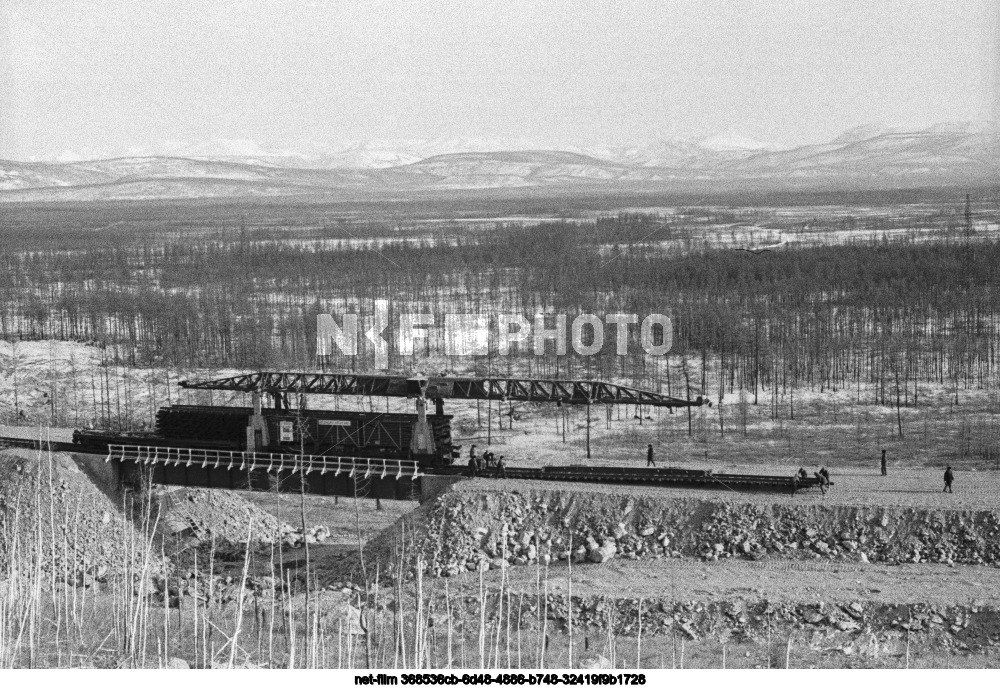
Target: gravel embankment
(480, 524)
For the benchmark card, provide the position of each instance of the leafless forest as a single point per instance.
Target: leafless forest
(894, 297)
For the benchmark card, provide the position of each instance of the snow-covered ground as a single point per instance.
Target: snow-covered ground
(66, 384)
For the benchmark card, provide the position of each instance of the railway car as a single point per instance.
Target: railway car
(311, 432)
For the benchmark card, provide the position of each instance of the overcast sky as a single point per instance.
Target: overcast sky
(114, 75)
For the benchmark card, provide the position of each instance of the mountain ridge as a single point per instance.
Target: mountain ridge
(887, 157)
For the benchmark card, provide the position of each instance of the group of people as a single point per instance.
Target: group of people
(823, 475)
(481, 465)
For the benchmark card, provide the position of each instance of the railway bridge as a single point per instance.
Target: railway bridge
(353, 454)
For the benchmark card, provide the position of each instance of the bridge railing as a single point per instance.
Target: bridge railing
(355, 467)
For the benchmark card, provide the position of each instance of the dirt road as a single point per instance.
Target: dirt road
(777, 580)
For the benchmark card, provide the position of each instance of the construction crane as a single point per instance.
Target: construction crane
(438, 388)
(279, 384)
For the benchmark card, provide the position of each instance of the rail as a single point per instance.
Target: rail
(666, 476)
(267, 461)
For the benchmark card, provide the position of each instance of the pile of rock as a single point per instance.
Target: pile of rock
(228, 520)
(523, 531)
(52, 513)
(467, 531)
(204, 515)
(297, 537)
(754, 620)
(865, 534)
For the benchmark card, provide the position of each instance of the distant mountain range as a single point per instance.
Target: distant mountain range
(860, 158)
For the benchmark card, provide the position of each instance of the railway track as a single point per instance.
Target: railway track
(221, 457)
(54, 445)
(668, 476)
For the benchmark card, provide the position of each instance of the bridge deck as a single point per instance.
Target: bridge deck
(262, 461)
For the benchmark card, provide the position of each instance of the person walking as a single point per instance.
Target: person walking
(883, 463)
(949, 478)
(650, 462)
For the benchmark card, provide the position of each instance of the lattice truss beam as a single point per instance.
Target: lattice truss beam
(509, 389)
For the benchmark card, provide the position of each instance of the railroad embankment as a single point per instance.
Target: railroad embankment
(477, 525)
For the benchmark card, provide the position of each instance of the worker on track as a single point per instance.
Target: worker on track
(949, 478)
(473, 466)
(501, 468)
(650, 462)
(824, 479)
(883, 463)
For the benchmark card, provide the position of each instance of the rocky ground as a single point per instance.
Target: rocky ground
(873, 571)
(836, 570)
(54, 515)
(481, 523)
(89, 528)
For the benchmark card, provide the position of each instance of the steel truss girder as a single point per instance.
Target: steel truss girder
(508, 389)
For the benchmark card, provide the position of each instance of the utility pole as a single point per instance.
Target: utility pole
(968, 217)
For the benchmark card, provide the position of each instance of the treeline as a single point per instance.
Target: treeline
(893, 313)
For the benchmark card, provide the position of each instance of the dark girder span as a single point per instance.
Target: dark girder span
(509, 389)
